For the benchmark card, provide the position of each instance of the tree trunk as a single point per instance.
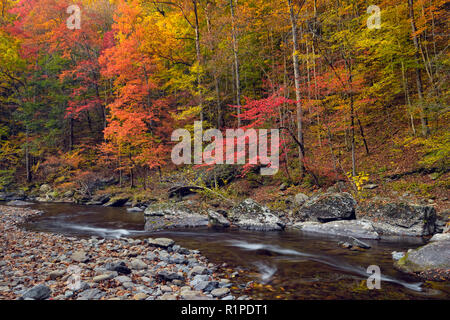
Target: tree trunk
(423, 116)
(293, 19)
(236, 63)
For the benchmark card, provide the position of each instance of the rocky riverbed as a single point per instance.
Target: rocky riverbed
(36, 265)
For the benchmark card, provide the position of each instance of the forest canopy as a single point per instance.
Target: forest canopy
(350, 98)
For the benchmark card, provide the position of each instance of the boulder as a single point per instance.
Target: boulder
(434, 256)
(440, 237)
(343, 228)
(161, 242)
(328, 207)
(217, 220)
(253, 216)
(80, 256)
(119, 267)
(399, 218)
(300, 199)
(39, 292)
(45, 188)
(19, 203)
(171, 215)
(117, 201)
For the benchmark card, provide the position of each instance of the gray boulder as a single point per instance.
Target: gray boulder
(398, 218)
(253, 216)
(39, 292)
(117, 201)
(433, 256)
(328, 207)
(170, 215)
(19, 203)
(217, 220)
(343, 228)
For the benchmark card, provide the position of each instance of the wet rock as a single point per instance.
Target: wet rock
(359, 243)
(165, 289)
(370, 186)
(103, 277)
(168, 296)
(433, 256)
(397, 255)
(91, 294)
(123, 279)
(217, 220)
(344, 228)
(220, 292)
(45, 188)
(253, 216)
(18, 203)
(119, 267)
(300, 199)
(39, 292)
(193, 295)
(134, 210)
(197, 270)
(440, 237)
(178, 259)
(80, 256)
(163, 216)
(138, 264)
(399, 218)
(168, 276)
(57, 274)
(161, 242)
(140, 296)
(328, 207)
(117, 201)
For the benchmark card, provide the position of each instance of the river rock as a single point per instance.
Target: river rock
(197, 270)
(328, 207)
(134, 210)
(45, 188)
(138, 264)
(140, 296)
(57, 274)
(103, 277)
(300, 199)
(123, 279)
(217, 220)
(440, 237)
(161, 242)
(433, 256)
(253, 216)
(343, 228)
(18, 203)
(168, 276)
(398, 218)
(220, 292)
(117, 201)
(39, 292)
(80, 256)
(161, 216)
(91, 294)
(119, 267)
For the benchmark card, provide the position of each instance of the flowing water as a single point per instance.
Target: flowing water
(282, 265)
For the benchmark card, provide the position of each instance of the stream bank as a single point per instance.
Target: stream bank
(41, 265)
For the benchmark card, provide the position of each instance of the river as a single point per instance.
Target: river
(282, 265)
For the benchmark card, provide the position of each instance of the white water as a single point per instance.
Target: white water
(267, 272)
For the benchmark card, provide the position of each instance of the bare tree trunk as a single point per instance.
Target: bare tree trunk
(423, 116)
(297, 85)
(236, 63)
(199, 59)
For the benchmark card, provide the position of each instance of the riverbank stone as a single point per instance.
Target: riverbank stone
(253, 216)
